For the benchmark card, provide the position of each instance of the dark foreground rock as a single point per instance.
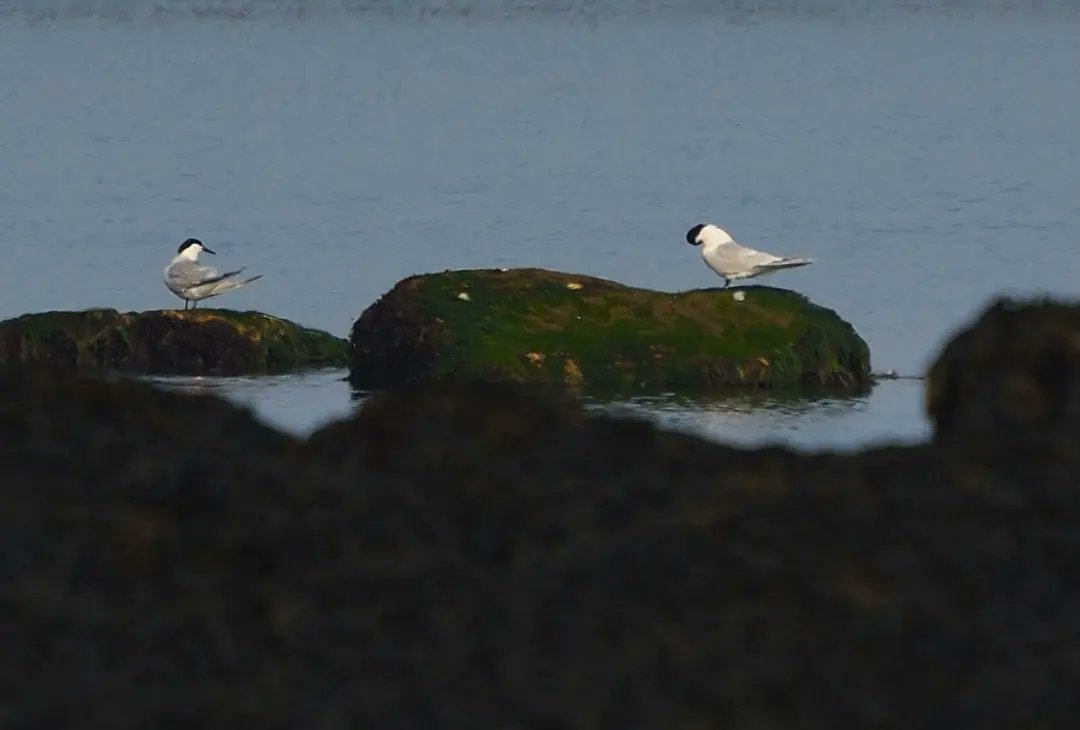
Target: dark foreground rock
(1017, 369)
(195, 342)
(483, 556)
(549, 327)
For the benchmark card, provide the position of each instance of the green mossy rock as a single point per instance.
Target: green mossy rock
(195, 342)
(543, 326)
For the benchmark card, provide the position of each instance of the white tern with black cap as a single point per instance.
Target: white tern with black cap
(734, 261)
(193, 282)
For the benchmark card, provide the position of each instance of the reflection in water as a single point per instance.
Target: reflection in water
(303, 402)
(891, 413)
(733, 407)
(297, 403)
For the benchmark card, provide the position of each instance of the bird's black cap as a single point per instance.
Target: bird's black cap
(692, 234)
(192, 242)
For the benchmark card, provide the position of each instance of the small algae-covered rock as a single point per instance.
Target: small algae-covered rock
(551, 327)
(203, 341)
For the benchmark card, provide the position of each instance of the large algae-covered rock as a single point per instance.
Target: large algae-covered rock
(1017, 368)
(204, 341)
(546, 326)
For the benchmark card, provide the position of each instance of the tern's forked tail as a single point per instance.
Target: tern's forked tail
(231, 284)
(788, 263)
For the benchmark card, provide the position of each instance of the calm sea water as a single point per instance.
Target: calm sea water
(924, 154)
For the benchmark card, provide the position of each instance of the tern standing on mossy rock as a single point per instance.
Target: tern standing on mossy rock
(193, 282)
(734, 261)
(591, 334)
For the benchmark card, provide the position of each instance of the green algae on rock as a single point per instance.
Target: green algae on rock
(204, 341)
(535, 325)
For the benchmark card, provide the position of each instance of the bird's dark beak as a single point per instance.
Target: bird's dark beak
(206, 250)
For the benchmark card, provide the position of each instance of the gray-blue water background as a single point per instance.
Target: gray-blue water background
(924, 154)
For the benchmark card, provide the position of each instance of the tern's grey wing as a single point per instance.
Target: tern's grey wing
(188, 274)
(752, 258)
(732, 258)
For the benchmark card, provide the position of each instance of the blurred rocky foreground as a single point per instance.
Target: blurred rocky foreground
(487, 556)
